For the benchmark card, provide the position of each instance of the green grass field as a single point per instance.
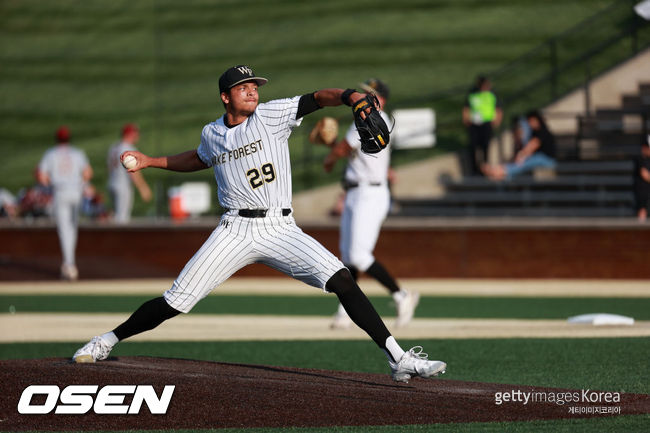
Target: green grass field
(444, 307)
(610, 364)
(97, 64)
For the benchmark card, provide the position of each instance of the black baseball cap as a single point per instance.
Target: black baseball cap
(373, 85)
(238, 74)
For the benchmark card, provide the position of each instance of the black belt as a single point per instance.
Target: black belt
(349, 185)
(259, 213)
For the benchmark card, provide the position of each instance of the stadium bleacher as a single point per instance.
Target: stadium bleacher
(593, 178)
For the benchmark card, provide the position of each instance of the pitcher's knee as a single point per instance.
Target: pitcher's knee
(341, 282)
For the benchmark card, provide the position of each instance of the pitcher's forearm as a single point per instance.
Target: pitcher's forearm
(186, 161)
(332, 97)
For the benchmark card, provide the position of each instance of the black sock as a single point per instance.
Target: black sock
(354, 271)
(150, 314)
(379, 273)
(358, 306)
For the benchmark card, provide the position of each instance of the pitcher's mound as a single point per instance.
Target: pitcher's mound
(219, 395)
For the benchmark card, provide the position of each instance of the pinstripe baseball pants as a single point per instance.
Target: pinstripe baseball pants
(274, 240)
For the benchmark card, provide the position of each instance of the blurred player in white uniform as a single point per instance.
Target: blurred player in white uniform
(367, 201)
(248, 150)
(120, 182)
(66, 169)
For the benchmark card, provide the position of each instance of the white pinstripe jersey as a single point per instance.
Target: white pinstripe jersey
(251, 160)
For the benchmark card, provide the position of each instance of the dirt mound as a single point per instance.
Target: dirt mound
(217, 395)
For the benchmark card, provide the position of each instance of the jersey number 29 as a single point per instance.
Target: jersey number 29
(256, 179)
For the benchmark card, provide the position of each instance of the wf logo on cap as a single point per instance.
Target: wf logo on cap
(245, 70)
(238, 74)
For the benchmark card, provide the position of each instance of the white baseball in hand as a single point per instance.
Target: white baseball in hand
(129, 162)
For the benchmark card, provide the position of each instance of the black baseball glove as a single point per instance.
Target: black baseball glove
(373, 131)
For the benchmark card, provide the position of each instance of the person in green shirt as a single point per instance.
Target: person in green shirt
(481, 114)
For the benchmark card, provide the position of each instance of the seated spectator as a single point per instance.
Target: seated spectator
(35, 201)
(539, 151)
(520, 132)
(642, 181)
(92, 204)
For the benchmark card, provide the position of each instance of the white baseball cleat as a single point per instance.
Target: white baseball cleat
(95, 350)
(69, 272)
(341, 320)
(415, 363)
(406, 308)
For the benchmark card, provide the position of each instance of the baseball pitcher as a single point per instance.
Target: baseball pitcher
(247, 148)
